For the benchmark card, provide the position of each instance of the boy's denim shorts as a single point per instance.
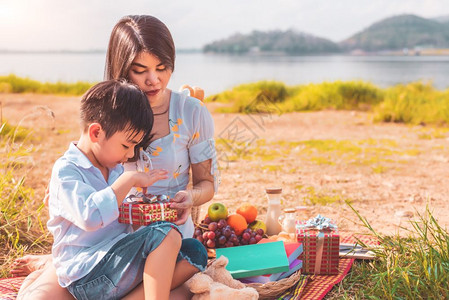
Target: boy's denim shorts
(121, 269)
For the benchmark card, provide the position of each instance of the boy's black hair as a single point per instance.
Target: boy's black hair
(117, 106)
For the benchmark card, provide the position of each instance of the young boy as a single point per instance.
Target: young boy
(94, 255)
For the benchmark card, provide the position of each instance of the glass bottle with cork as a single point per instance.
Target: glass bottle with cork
(274, 210)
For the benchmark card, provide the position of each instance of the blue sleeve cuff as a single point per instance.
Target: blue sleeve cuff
(106, 203)
(202, 151)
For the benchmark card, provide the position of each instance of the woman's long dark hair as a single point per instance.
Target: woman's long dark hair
(131, 36)
(135, 34)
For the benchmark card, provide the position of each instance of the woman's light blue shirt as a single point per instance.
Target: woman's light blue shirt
(190, 141)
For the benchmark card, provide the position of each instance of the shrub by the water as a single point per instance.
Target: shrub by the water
(328, 95)
(351, 95)
(414, 103)
(15, 84)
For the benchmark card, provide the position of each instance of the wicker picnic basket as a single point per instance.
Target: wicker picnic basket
(274, 289)
(195, 214)
(271, 289)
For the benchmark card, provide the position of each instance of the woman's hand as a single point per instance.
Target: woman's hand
(182, 202)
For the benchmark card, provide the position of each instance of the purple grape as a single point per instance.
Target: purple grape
(233, 237)
(207, 220)
(246, 236)
(222, 240)
(243, 242)
(236, 243)
(260, 231)
(229, 244)
(227, 233)
(258, 237)
(206, 235)
(222, 223)
(252, 241)
(213, 226)
(198, 232)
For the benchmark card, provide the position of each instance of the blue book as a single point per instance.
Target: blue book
(293, 250)
(294, 266)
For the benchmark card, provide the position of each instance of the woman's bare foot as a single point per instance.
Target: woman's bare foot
(23, 266)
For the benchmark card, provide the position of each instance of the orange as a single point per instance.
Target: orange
(248, 211)
(237, 222)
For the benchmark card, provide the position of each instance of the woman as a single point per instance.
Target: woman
(141, 50)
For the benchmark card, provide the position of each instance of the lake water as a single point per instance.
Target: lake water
(216, 73)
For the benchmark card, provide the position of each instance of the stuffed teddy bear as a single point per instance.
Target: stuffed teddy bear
(195, 91)
(216, 283)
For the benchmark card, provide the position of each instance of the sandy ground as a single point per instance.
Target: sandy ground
(391, 174)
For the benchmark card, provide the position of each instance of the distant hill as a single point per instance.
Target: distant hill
(399, 32)
(442, 19)
(285, 42)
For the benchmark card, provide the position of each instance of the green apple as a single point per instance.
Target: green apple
(217, 211)
(258, 224)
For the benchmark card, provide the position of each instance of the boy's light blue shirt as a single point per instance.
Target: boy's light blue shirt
(83, 215)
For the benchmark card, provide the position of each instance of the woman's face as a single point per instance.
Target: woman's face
(151, 76)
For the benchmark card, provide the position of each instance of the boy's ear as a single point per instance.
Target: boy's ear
(95, 132)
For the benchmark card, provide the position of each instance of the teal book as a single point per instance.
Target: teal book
(254, 260)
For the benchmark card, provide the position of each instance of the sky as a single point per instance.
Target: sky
(86, 24)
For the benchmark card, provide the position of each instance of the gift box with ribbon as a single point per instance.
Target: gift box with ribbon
(321, 242)
(146, 209)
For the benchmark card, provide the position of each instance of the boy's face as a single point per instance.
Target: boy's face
(117, 149)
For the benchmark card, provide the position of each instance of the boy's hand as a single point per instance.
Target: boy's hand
(131, 179)
(144, 179)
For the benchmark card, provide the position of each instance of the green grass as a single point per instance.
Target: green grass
(351, 95)
(13, 133)
(272, 168)
(20, 225)
(413, 103)
(411, 267)
(15, 84)
(433, 133)
(276, 97)
(378, 155)
(379, 169)
(314, 197)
